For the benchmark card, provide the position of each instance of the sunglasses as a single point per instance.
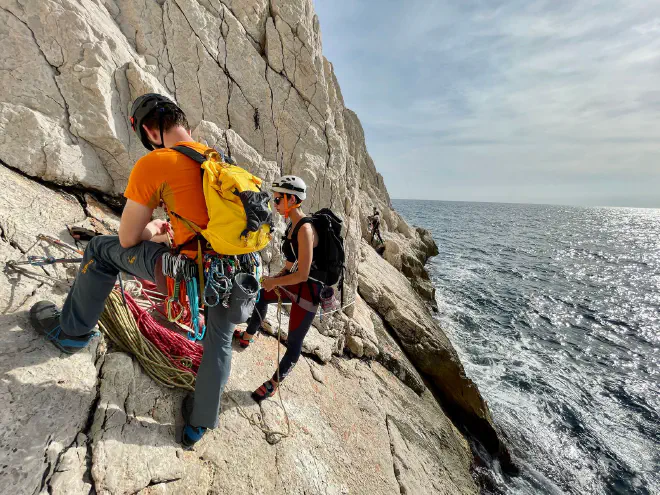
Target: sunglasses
(278, 200)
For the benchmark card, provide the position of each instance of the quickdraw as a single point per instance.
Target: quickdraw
(191, 287)
(179, 269)
(218, 273)
(41, 261)
(183, 272)
(170, 306)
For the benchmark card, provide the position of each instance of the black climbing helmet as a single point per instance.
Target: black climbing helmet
(142, 107)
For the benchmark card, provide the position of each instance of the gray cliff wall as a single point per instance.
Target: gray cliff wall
(251, 76)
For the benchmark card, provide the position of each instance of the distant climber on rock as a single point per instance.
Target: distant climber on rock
(374, 224)
(302, 280)
(173, 177)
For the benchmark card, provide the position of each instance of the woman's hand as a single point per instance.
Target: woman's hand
(269, 283)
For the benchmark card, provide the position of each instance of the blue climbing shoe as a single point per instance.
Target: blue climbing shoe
(190, 434)
(45, 318)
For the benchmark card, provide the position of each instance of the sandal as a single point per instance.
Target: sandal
(244, 343)
(264, 391)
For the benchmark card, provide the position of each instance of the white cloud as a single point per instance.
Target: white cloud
(521, 89)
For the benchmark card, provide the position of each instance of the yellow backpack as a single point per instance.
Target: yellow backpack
(240, 218)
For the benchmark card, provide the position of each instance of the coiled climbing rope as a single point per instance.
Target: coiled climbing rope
(167, 357)
(170, 358)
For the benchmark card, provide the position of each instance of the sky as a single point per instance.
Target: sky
(510, 101)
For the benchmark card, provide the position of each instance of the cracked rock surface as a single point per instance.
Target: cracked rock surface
(343, 437)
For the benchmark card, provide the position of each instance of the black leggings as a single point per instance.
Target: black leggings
(376, 232)
(300, 320)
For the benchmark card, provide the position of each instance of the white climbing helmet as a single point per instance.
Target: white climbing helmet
(290, 184)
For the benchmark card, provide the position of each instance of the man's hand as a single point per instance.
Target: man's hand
(157, 231)
(156, 228)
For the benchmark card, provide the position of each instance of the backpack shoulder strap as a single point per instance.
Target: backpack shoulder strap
(301, 222)
(199, 158)
(190, 153)
(193, 227)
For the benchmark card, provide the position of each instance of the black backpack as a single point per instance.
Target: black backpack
(329, 257)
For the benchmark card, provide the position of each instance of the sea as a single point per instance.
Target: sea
(555, 314)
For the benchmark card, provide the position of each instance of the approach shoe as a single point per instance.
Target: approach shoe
(45, 318)
(190, 434)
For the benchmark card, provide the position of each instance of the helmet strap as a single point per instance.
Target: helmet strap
(287, 208)
(161, 117)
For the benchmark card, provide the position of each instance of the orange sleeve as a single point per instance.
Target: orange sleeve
(144, 184)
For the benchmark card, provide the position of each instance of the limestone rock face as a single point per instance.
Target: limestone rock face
(392, 357)
(252, 79)
(252, 70)
(133, 441)
(393, 298)
(356, 419)
(47, 396)
(46, 400)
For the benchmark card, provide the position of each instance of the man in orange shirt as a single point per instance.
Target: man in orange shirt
(162, 175)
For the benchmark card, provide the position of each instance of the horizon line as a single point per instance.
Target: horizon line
(524, 203)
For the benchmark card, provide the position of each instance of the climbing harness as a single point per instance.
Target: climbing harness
(221, 277)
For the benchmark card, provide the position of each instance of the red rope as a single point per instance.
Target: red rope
(174, 345)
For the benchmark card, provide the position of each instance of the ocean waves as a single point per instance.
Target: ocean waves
(555, 312)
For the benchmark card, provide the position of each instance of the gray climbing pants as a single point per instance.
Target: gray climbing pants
(104, 258)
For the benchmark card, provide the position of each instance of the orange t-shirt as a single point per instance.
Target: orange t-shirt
(167, 175)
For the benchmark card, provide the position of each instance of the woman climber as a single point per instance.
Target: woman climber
(293, 282)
